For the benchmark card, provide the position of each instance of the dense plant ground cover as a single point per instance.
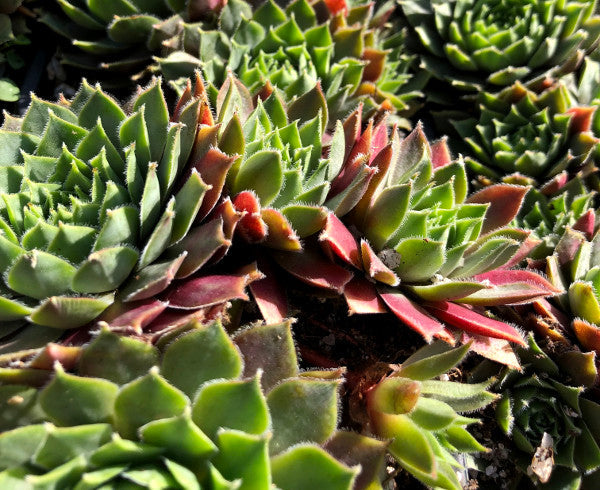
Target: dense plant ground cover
(330, 244)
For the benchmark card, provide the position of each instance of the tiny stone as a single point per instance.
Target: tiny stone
(490, 470)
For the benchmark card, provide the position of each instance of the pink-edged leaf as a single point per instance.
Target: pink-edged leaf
(269, 294)
(497, 350)
(549, 311)
(281, 235)
(555, 184)
(362, 298)
(135, 315)
(252, 227)
(311, 267)
(581, 119)
(336, 238)
(412, 315)
(382, 163)
(152, 279)
(349, 197)
(505, 202)
(68, 356)
(472, 322)
(184, 99)
(231, 218)
(501, 277)
(352, 164)
(440, 153)
(207, 291)
(587, 334)
(380, 139)
(375, 267)
(568, 245)
(524, 250)
(447, 290)
(212, 167)
(352, 127)
(233, 97)
(586, 223)
(201, 245)
(206, 138)
(171, 319)
(510, 287)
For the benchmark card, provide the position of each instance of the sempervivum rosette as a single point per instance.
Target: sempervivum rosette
(475, 45)
(549, 420)
(520, 136)
(420, 413)
(417, 246)
(343, 46)
(114, 41)
(199, 410)
(96, 197)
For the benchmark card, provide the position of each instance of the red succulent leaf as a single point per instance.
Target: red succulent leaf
(269, 294)
(148, 284)
(505, 202)
(135, 315)
(171, 319)
(202, 244)
(230, 217)
(337, 6)
(354, 161)
(568, 245)
(413, 315)
(511, 287)
(352, 127)
(281, 235)
(555, 184)
(586, 223)
(587, 334)
(362, 298)
(440, 153)
(310, 267)
(375, 59)
(251, 226)
(68, 357)
(551, 312)
(375, 267)
(497, 350)
(581, 119)
(212, 167)
(186, 96)
(208, 291)
(264, 93)
(382, 163)
(472, 322)
(336, 238)
(524, 250)
(380, 138)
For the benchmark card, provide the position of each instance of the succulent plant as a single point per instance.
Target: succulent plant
(549, 216)
(97, 197)
(334, 43)
(421, 248)
(199, 410)
(115, 42)
(550, 421)
(473, 45)
(421, 414)
(524, 137)
(13, 34)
